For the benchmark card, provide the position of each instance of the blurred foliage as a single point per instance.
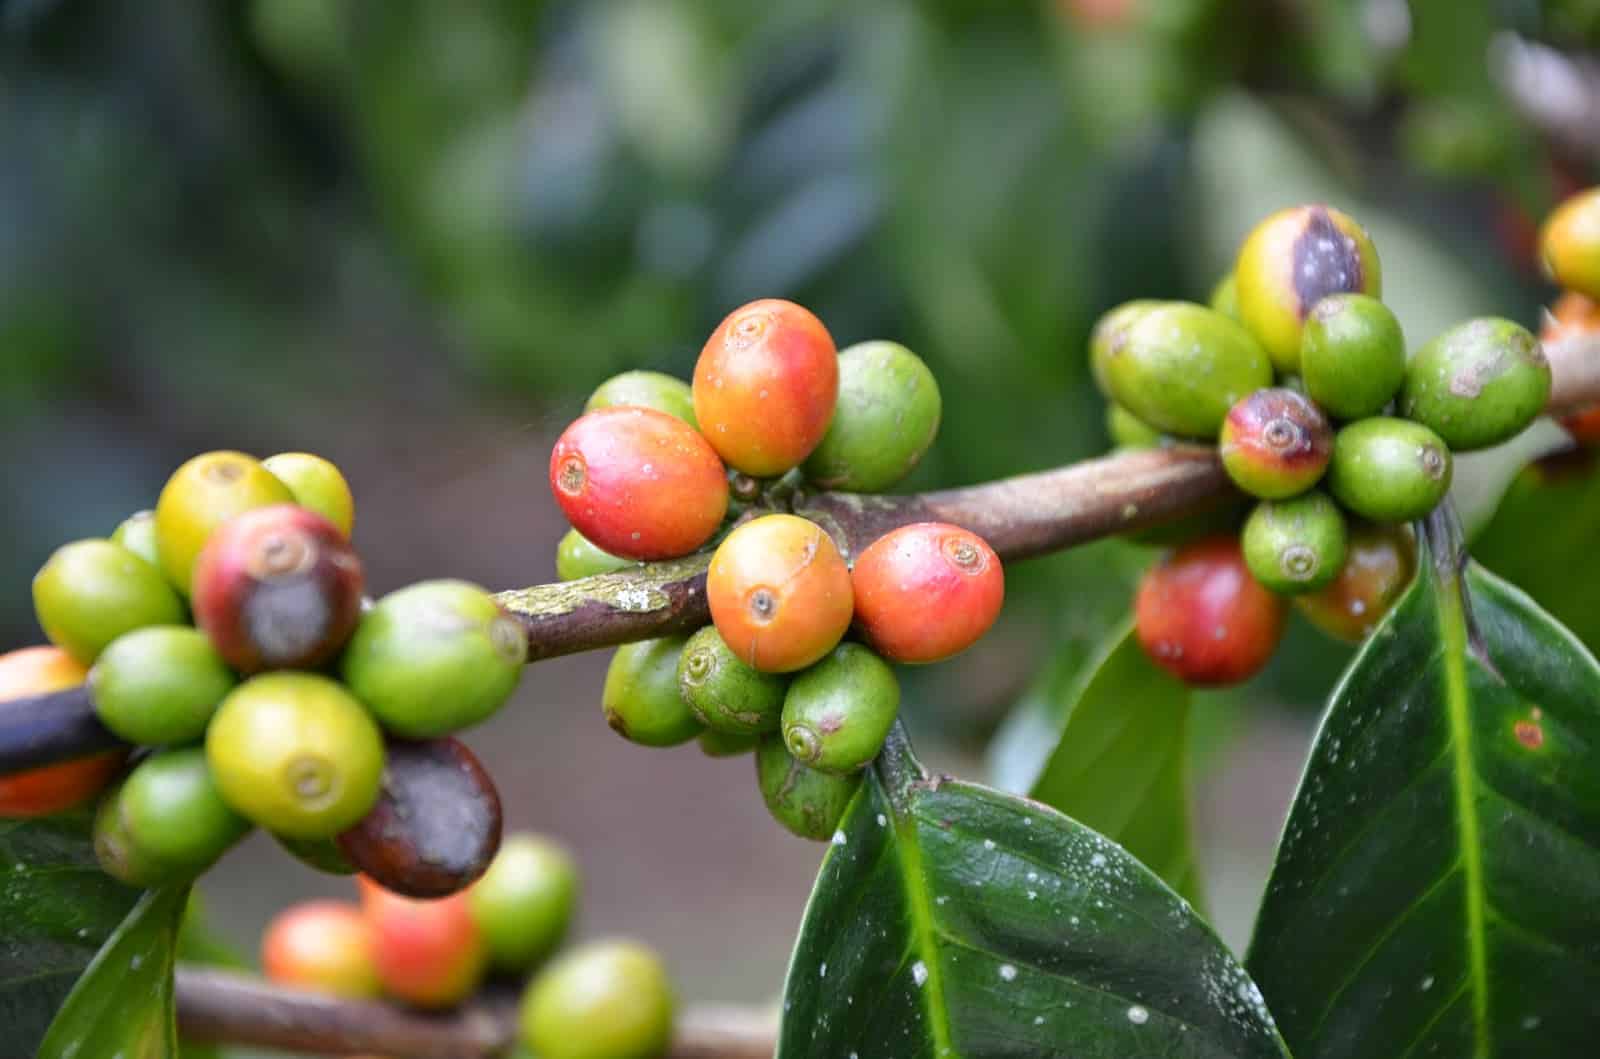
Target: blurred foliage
(230, 219)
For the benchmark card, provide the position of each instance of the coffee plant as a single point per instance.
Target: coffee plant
(214, 667)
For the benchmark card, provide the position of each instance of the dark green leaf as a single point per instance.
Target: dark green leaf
(949, 919)
(56, 909)
(1437, 889)
(123, 1004)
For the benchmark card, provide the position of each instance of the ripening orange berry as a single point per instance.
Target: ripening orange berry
(780, 593)
(427, 953)
(927, 591)
(321, 945)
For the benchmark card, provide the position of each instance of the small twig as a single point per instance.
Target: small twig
(225, 1007)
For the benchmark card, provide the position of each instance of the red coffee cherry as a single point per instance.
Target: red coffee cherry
(1203, 618)
(639, 483)
(765, 386)
(779, 593)
(1275, 444)
(49, 788)
(321, 945)
(927, 591)
(277, 588)
(427, 953)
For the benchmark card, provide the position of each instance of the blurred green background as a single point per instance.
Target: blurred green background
(412, 236)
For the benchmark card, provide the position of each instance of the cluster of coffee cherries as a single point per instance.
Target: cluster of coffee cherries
(1300, 375)
(604, 999)
(658, 468)
(225, 635)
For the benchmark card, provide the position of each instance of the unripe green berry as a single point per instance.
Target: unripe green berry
(1275, 443)
(1352, 355)
(90, 592)
(115, 851)
(1225, 297)
(838, 713)
(201, 495)
(641, 698)
(1180, 367)
(724, 693)
(173, 813)
(524, 902)
(1295, 545)
(1128, 431)
(725, 744)
(645, 389)
(603, 1000)
(808, 802)
(1389, 470)
(577, 556)
(886, 417)
(317, 485)
(159, 684)
(1109, 333)
(1478, 384)
(137, 533)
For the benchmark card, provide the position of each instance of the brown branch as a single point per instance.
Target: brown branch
(224, 1007)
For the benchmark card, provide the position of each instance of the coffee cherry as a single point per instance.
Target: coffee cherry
(1180, 367)
(725, 744)
(159, 684)
(779, 593)
(645, 389)
(1225, 297)
(91, 592)
(1569, 243)
(318, 854)
(1378, 566)
(724, 694)
(576, 556)
(1275, 443)
(116, 853)
(49, 788)
(641, 698)
(1128, 431)
(765, 386)
(1201, 616)
(886, 417)
(604, 1000)
(838, 713)
(1352, 355)
(435, 657)
(1295, 545)
(927, 591)
(137, 533)
(317, 485)
(806, 801)
(200, 496)
(524, 903)
(1290, 262)
(296, 754)
(1478, 384)
(429, 954)
(1389, 470)
(1109, 334)
(173, 814)
(639, 483)
(435, 826)
(325, 946)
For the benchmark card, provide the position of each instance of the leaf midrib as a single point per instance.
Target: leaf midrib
(925, 931)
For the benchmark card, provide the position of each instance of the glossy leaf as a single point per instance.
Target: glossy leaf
(56, 909)
(1437, 889)
(124, 1004)
(950, 919)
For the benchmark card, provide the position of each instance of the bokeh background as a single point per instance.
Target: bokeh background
(411, 236)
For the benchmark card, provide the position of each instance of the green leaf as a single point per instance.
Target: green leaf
(124, 1004)
(1119, 762)
(1437, 889)
(56, 909)
(950, 919)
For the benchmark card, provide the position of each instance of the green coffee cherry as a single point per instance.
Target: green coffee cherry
(318, 854)
(1109, 333)
(1225, 297)
(159, 684)
(317, 485)
(886, 417)
(577, 556)
(1478, 384)
(1352, 355)
(435, 657)
(724, 693)
(725, 744)
(641, 698)
(1389, 470)
(173, 813)
(524, 902)
(603, 1000)
(1180, 367)
(91, 592)
(116, 853)
(807, 802)
(1128, 431)
(1295, 545)
(645, 389)
(837, 713)
(137, 533)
